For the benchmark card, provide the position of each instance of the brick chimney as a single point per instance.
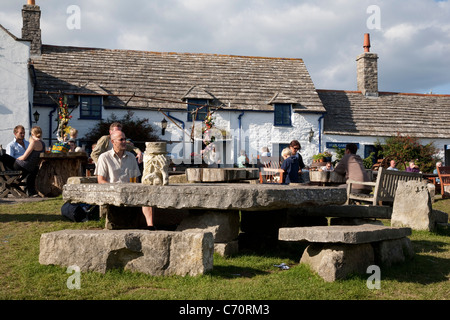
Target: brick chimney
(367, 70)
(31, 29)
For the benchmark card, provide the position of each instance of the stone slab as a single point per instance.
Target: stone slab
(357, 234)
(336, 261)
(223, 196)
(79, 180)
(151, 252)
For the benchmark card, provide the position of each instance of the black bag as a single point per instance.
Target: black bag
(80, 212)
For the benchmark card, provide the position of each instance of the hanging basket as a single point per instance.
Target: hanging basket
(60, 147)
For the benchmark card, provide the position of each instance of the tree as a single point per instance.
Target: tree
(139, 130)
(403, 148)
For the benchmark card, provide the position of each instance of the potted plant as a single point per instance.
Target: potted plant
(322, 157)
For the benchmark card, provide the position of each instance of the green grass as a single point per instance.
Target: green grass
(246, 276)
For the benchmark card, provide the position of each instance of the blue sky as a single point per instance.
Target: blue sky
(411, 37)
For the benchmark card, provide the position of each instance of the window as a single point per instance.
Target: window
(91, 107)
(282, 114)
(194, 104)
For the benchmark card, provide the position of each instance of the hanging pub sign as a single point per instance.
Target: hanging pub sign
(339, 145)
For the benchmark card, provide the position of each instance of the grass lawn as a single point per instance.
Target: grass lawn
(247, 276)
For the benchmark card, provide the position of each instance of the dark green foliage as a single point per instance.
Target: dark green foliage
(404, 148)
(138, 130)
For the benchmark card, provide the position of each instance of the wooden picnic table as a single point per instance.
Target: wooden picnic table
(55, 169)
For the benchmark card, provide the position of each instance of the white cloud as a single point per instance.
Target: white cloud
(401, 32)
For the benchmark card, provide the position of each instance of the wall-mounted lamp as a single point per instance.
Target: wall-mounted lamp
(36, 116)
(163, 126)
(311, 135)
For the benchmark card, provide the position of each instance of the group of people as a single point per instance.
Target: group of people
(22, 155)
(115, 162)
(412, 167)
(351, 166)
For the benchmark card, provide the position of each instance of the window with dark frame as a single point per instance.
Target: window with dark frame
(194, 104)
(91, 107)
(282, 114)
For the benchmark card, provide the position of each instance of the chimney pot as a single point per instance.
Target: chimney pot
(31, 29)
(366, 45)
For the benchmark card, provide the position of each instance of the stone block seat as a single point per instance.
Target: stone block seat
(158, 253)
(334, 252)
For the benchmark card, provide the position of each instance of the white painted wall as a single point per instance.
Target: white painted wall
(16, 94)
(256, 130)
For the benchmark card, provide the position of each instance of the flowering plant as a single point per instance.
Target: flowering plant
(63, 120)
(206, 130)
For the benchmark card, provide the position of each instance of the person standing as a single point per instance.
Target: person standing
(295, 148)
(104, 144)
(290, 167)
(19, 145)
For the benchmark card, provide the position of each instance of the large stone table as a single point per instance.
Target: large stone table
(224, 196)
(217, 208)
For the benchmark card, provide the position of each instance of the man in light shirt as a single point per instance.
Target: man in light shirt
(120, 166)
(19, 145)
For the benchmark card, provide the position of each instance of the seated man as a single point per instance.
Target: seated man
(17, 147)
(351, 165)
(120, 166)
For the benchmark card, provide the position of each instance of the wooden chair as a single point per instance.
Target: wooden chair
(271, 172)
(444, 177)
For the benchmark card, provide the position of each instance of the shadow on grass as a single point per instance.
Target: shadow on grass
(31, 217)
(423, 268)
(233, 272)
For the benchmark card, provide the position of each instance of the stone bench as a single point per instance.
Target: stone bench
(335, 252)
(158, 253)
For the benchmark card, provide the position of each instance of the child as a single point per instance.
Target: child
(290, 166)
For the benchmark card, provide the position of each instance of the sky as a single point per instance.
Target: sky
(411, 37)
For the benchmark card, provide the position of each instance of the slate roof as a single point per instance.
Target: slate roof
(419, 115)
(234, 82)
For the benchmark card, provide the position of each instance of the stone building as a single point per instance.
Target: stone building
(367, 115)
(255, 101)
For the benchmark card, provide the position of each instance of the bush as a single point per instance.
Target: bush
(403, 148)
(139, 131)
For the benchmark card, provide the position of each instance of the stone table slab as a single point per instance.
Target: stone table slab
(358, 234)
(224, 196)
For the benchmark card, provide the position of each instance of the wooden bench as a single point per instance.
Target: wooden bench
(444, 180)
(11, 183)
(384, 187)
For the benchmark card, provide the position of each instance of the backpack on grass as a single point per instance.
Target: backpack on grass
(80, 212)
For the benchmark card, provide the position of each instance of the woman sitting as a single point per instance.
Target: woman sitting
(29, 161)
